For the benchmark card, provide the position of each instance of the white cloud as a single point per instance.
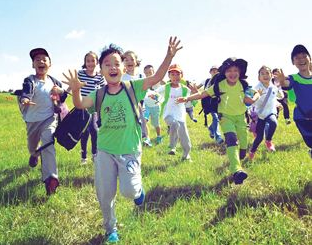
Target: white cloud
(74, 34)
(10, 58)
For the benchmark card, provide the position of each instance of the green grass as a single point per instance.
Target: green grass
(186, 203)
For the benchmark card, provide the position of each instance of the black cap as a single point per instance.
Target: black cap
(34, 52)
(240, 63)
(298, 49)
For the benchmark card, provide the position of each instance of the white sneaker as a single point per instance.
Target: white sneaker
(84, 161)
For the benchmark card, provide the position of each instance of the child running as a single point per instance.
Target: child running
(175, 114)
(93, 80)
(119, 139)
(265, 107)
(38, 113)
(301, 83)
(230, 87)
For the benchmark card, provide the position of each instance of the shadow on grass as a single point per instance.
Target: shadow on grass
(78, 182)
(35, 240)
(219, 149)
(287, 147)
(23, 193)
(9, 175)
(146, 170)
(96, 240)
(292, 202)
(161, 198)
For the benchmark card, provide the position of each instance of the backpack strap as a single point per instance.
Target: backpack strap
(133, 100)
(99, 97)
(166, 97)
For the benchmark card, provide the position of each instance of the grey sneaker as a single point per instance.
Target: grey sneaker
(172, 151)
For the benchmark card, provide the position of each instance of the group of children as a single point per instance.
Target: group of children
(117, 143)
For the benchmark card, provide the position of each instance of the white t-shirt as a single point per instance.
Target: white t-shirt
(127, 77)
(177, 111)
(270, 106)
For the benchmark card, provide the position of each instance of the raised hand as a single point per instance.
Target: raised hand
(73, 81)
(180, 100)
(26, 101)
(173, 47)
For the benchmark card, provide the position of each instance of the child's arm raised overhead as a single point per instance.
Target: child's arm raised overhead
(161, 72)
(75, 85)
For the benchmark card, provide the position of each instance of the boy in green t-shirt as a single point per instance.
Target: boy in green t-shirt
(231, 111)
(119, 138)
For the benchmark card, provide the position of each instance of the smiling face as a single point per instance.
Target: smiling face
(175, 77)
(41, 64)
(302, 62)
(130, 63)
(91, 62)
(112, 68)
(149, 71)
(265, 75)
(232, 74)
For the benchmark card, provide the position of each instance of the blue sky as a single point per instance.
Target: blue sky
(262, 32)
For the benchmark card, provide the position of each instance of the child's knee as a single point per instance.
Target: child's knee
(230, 139)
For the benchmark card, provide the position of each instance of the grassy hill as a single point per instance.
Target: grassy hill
(186, 203)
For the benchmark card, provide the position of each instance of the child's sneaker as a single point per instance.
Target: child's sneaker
(147, 142)
(219, 141)
(239, 177)
(33, 161)
(187, 158)
(51, 184)
(138, 201)
(159, 139)
(287, 121)
(251, 155)
(84, 161)
(172, 151)
(269, 145)
(112, 237)
(195, 120)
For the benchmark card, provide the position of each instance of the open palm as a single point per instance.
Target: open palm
(73, 81)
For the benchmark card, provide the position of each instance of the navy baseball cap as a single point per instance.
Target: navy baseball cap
(298, 49)
(34, 52)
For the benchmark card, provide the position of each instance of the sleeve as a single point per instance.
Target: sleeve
(210, 91)
(138, 89)
(291, 83)
(92, 95)
(28, 89)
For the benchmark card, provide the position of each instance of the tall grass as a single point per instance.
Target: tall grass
(186, 202)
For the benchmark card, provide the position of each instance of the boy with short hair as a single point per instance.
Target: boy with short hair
(175, 114)
(152, 103)
(119, 138)
(301, 83)
(38, 113)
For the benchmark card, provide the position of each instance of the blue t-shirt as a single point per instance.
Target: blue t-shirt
(303, 89)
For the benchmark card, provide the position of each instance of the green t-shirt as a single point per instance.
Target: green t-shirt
(232, 98)
(119, 133)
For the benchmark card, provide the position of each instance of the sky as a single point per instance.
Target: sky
(263, 32)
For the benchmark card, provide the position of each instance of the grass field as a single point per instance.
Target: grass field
(186, 202)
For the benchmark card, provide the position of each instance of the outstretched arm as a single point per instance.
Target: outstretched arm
(197, 96)
(173, 48)
(284, 82)
(75, 85)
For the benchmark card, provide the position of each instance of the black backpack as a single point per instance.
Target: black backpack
(70, 129)
(210, 105)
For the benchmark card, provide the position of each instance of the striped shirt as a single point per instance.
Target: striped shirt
(92, 82)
